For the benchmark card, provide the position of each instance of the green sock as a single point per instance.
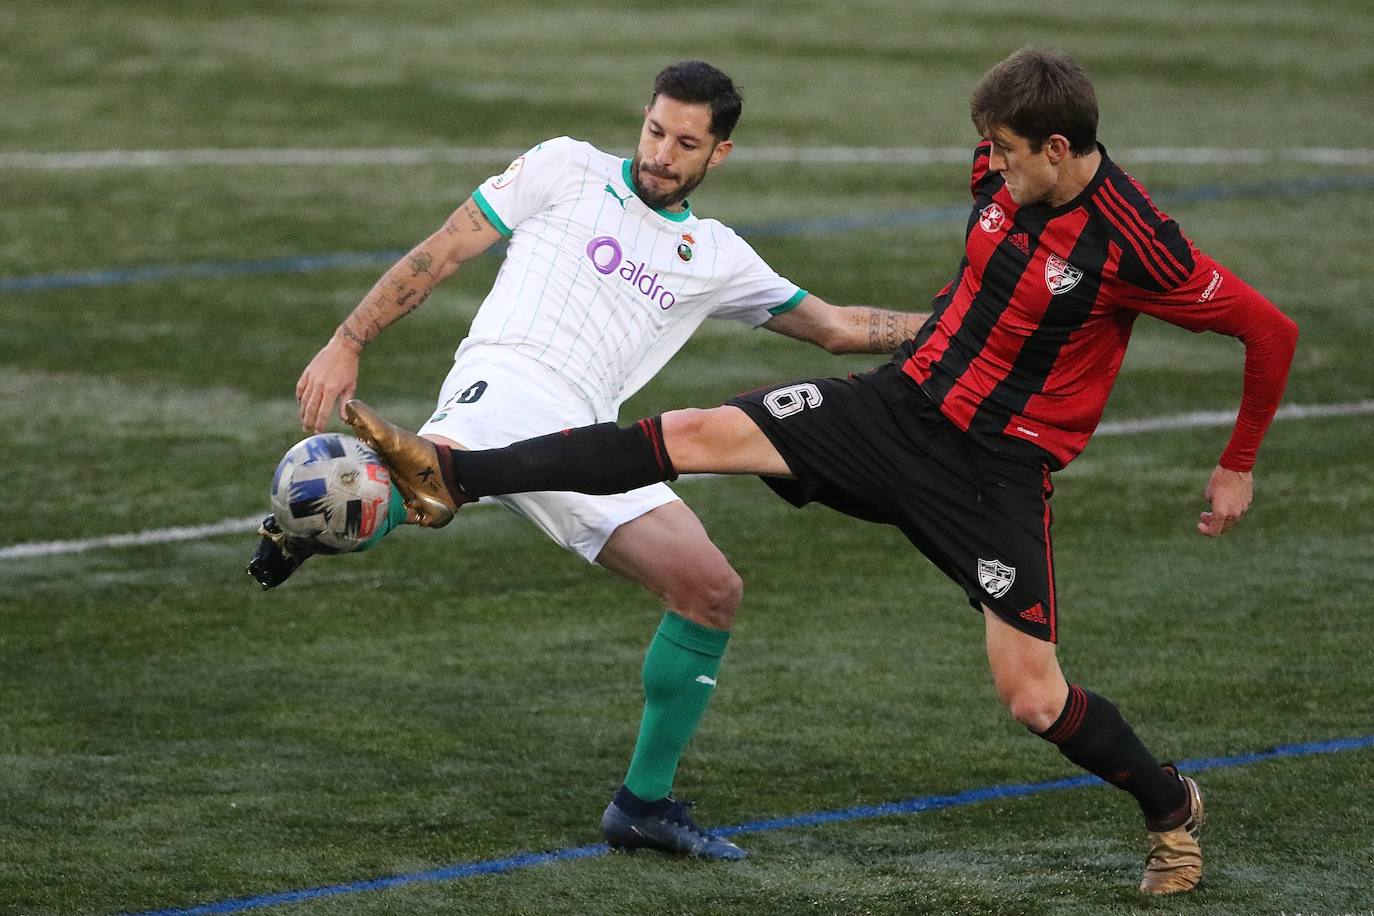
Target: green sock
(395, 517)
(679, 678)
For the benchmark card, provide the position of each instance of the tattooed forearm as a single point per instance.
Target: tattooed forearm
(411, 299)
(420, 262)
(888, 330)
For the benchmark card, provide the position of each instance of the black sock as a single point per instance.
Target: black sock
(1091, 732)
(596, 459)
(635, 806)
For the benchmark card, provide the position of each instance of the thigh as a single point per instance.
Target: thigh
(992, 537)
(668, 552)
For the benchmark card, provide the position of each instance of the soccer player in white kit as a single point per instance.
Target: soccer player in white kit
(607, 274)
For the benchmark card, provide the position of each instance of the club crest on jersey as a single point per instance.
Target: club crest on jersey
(992, 218)
(996, 578)
(1060, 275)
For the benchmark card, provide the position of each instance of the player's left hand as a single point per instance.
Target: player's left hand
(1230, 493)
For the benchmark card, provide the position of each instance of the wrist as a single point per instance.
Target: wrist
(345, 338)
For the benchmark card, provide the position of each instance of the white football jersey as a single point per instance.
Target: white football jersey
(600, 288)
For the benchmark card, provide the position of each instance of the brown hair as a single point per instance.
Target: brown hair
(697, 82)
(1036, 93)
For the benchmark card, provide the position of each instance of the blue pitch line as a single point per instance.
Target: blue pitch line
(817, 226)
(910, 806)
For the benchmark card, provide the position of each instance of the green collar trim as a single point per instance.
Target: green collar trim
(677, 217)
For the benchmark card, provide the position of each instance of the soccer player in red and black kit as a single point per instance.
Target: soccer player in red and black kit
(955, 440)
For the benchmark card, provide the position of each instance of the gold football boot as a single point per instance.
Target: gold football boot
(414, 465)
(1174, 862)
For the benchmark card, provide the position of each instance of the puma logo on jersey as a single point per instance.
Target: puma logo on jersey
(708, 681)
(620, 200)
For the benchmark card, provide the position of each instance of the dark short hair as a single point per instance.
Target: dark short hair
(698, 83)
(1036, 93)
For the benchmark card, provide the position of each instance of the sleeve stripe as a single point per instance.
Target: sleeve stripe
(490, 214)
(1132, 233)
(790, 304)
(1132, 211)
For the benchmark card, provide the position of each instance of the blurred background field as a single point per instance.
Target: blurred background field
(170, 736)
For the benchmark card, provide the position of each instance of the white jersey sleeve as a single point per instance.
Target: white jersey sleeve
(754, 291)
(527, 186)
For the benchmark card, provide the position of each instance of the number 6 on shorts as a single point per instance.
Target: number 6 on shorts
(783, 402)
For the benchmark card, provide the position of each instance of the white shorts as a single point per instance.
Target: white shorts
(491, 400)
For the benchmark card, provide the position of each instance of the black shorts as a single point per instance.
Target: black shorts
(874, 446)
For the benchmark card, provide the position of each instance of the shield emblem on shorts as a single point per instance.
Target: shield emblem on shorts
(1060, 275)
(996, 578)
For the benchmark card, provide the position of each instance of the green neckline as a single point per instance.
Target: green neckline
(680, 217)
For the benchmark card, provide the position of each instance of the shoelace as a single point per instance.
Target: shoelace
(679, 813)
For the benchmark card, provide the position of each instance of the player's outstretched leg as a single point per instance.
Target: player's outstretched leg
(1174, 860)
(415, 463)
(598, 459)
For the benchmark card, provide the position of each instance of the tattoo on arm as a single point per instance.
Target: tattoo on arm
(471, 220)
(410, 300)
(888, 330)
(346, 331)
(420, 262)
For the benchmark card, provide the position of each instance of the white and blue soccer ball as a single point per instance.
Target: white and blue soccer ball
(332, 492)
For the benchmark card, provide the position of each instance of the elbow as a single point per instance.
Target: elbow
(1290, 329)
(834, 344)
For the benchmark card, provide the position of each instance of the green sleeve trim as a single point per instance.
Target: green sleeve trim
(790, 304)
(693, 636)
(490, 214)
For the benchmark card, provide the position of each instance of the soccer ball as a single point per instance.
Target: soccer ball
(331, 492)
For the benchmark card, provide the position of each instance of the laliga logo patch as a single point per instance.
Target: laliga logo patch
(996, 578)
(991, 218)
(1060, 275)
(511, 173)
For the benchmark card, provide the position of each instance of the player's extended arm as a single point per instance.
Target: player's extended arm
(333, 374)
(1270, 338)
(847, 328)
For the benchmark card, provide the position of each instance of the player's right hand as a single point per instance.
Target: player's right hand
(331, 377)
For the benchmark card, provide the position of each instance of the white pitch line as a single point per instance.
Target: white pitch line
(1226, 418)
(137, 539)
(250, 523)
(489, 156)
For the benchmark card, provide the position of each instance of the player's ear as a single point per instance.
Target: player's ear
(719, 153)
(1058, 146)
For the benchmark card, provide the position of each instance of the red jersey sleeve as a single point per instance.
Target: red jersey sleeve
(1211, 298)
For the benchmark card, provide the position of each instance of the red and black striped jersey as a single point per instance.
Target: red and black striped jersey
(1023, 346)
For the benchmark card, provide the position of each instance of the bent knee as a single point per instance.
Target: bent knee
(709, 598)
(1035, 707)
